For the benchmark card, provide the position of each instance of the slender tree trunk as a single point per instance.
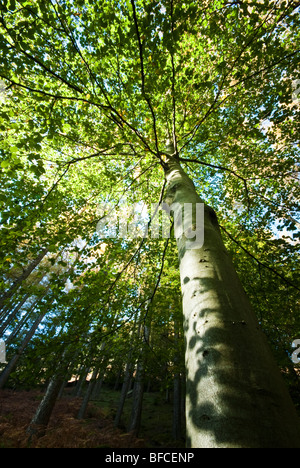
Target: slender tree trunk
(39, 423)
(24, 319)
(117, 383)
(138, 389)
(11, 316)
(12, 308)
(124, 391)
(81, 383)
(23, 277)
(177, 407)
(19, 327)
(235, 395)
(137, 400)
(88, 394)
(177, 430)
(98, 387)
(14, 361)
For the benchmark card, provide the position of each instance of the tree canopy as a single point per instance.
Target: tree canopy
(91, 92)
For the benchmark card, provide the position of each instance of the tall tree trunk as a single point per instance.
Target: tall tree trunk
(81, 382)
(235, 395)
(23, 277)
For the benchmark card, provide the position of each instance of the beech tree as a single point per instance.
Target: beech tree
(174, 102)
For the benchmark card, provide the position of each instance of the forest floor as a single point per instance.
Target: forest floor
(95, 431)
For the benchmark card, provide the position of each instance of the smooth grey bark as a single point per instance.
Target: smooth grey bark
(235, 395)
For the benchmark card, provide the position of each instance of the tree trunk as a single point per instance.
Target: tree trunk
(137, 400)
(138, 389)
(177, 430)
(42, 416)
(235, 395)
(98, 387)
(11, 316)
(11, 308)
(177, 407)
(14, 361)
(88, 394)
(124, 391)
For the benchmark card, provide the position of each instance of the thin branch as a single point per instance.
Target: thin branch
(55, 96)
(222, 168)
(55, 185)
(143, 78)
(39, 62)
(70, 35)
(258, 261)
(150, 300)
(173, 85)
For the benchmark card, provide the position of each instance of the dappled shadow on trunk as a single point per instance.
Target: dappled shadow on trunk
(235, 394)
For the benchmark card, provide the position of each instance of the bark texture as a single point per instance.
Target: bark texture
(235, 395)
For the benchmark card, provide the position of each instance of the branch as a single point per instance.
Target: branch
(36, 60)
(143, 79)
(55, 185)
(222, 168)
(55, 96)
(258, 261)
(150, 300)
(173, 85)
